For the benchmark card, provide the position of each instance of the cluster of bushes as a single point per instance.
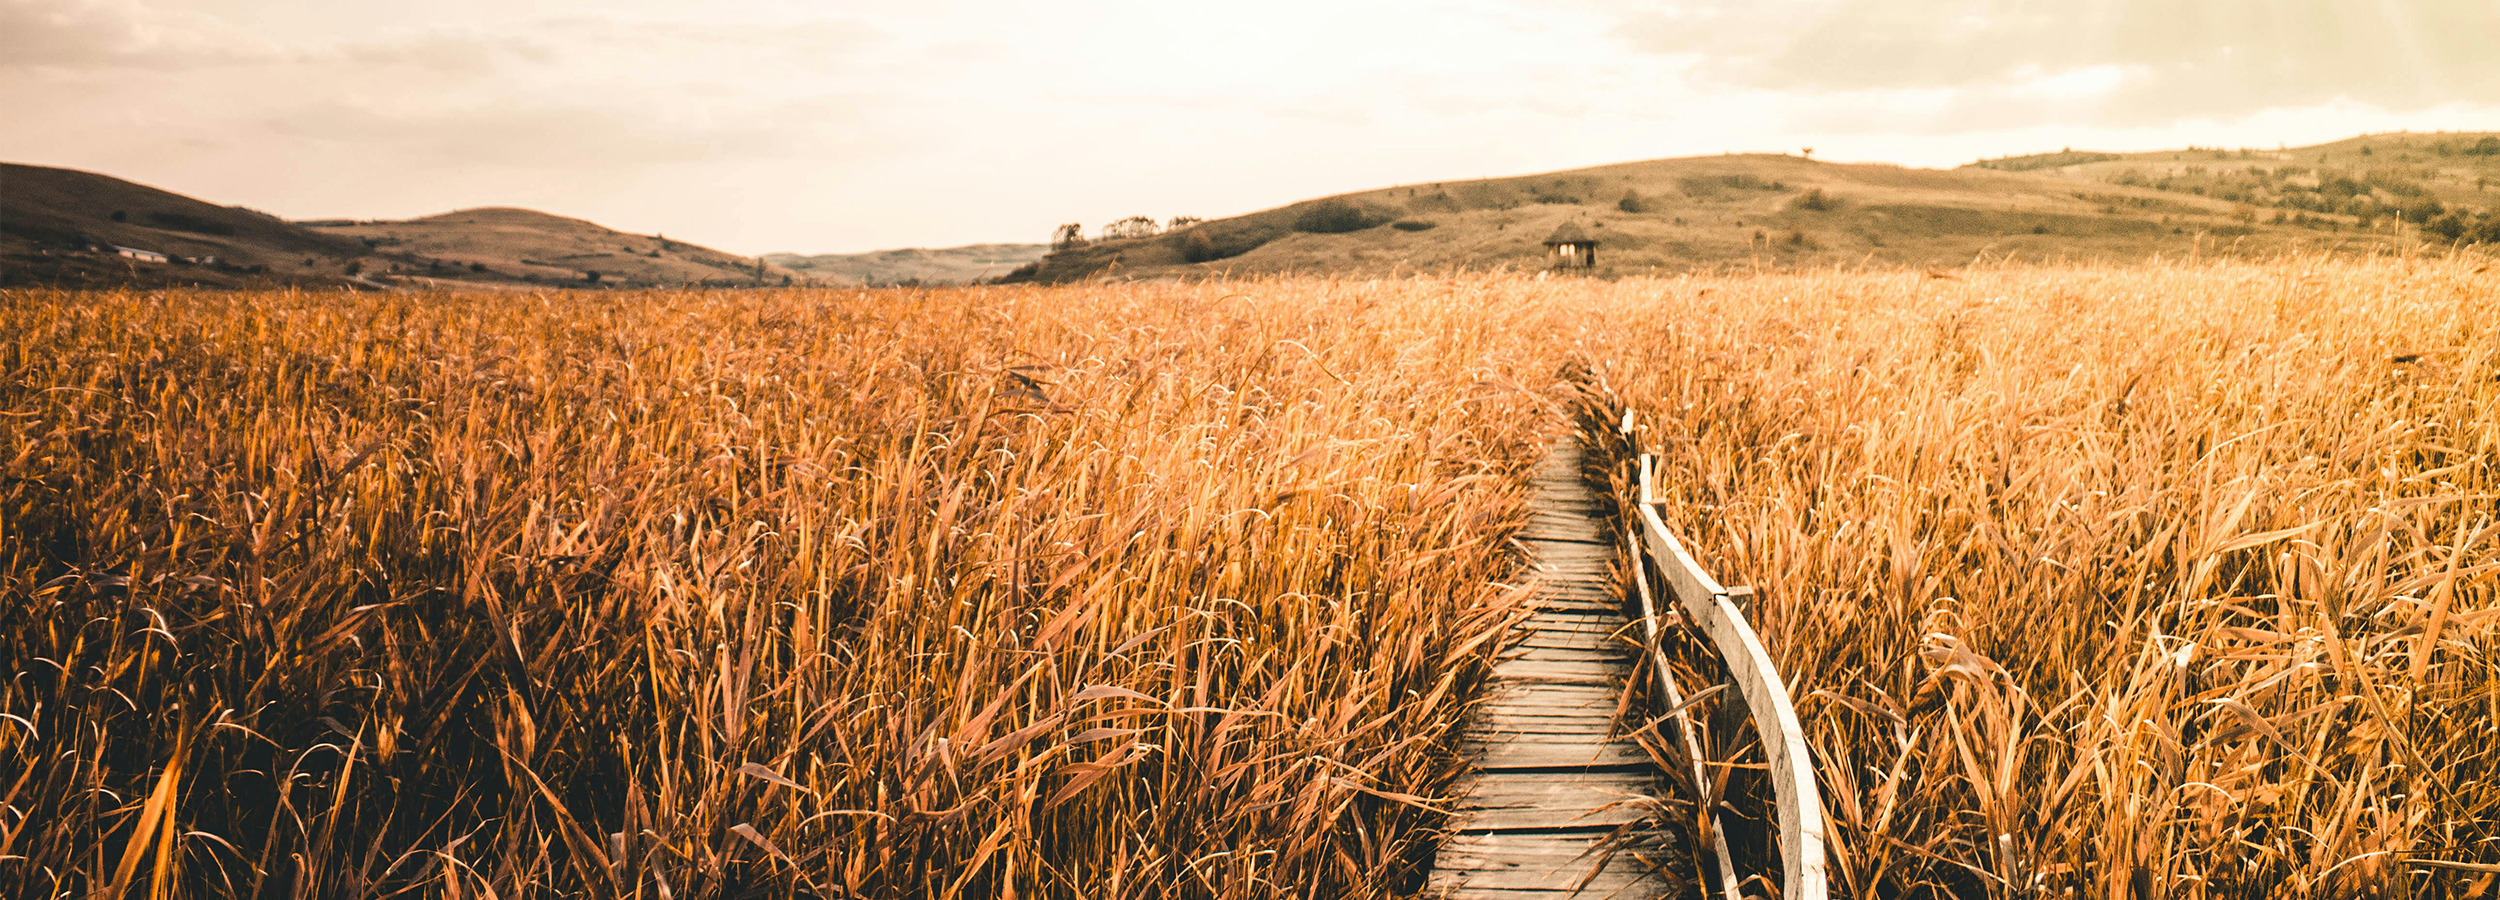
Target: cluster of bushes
(2366, 196)
(2066, 157)
(1557, 196)
(2463, 226)
(1713, 185)
(1201, 244)
(2487, 146)
(1815, 200)
(1338, 217)
(1437, 201)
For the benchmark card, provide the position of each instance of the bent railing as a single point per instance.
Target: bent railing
(1710, 607)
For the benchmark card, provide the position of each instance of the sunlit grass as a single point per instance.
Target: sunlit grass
(2142, 582)
(2150, 581)
(1085, 592)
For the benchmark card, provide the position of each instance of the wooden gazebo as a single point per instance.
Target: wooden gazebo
(1572, 247)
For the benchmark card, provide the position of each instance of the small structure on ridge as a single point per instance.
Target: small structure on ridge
(1572, 247)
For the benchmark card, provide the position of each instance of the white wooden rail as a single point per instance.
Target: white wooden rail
(1708, 605)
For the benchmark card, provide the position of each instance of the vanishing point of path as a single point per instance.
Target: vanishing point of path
(1551, 780)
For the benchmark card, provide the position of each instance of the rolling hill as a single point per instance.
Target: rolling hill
(65, 227)
(1784, 211)
(536, 247)
(952, 265)
(2447, 183)
(60, 226)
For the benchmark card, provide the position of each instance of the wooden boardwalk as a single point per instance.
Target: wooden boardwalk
(1551, 781)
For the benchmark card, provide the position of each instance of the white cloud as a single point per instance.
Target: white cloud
(769, 125)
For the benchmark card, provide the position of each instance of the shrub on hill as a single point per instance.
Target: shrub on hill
(1633, 202)
(1337, 217)
(187, 222)
(1196, 246)
(1437, 201)
(1714, 185)
(1205, 244)
(1558, 195)
(1814, 199)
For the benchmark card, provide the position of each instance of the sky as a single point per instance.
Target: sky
(767, 125)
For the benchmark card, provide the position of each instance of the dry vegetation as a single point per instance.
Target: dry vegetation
(2153, 581)
(1080, 593)
(2149, 582)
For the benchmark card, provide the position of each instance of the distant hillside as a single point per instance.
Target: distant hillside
(2444, 185)
(63, 227)
(1709, 212)
(952, 265)
(540, 248)
(59, 227)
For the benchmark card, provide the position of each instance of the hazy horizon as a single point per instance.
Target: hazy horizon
(766, 127)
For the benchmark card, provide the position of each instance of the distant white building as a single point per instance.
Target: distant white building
(140, 255)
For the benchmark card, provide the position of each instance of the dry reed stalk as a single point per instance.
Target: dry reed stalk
(2173, 580)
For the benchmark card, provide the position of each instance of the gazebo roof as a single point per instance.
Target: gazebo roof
(1569, 233)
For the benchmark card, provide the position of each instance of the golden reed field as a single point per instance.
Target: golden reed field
(2171, 580)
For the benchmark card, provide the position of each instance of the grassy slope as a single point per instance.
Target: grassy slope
(1695, 219)
(532, 245)
(48, 216)
(951, 265)
(2398, 170)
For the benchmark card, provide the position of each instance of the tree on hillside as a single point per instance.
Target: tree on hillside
(1131, 227)
(2448, 227)
(1068, 236)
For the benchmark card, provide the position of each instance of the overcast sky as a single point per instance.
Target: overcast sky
(755, 126)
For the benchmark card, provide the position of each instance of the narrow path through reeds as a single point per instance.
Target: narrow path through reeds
(1554, 781)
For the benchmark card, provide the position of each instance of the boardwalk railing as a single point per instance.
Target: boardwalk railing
(1710, 606)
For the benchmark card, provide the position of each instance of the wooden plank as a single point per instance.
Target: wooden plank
(1563, 621)
(1524, 752)
(1551, 695)
(1611, 656)
(1520, 871)
(1608, 672)
(1560, 533)
(1563, 549)
(1588, 732)
(1576, 640)
(1508, 717)
(1515, 815)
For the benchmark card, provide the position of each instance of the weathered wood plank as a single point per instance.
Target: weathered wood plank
(1547, 863)
(1572, 640)
(1611, 656)
(1551, 696)
(1521, 752)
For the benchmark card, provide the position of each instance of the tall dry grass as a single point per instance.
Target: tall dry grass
(2169, 580)
(2163, 581)
(1086, 592)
